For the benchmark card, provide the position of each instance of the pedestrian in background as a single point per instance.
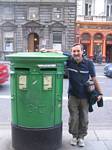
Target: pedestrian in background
(80, 70)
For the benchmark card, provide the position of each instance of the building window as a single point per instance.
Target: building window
(8, 13)
(57, 14)
(33, 13)
(98, 36)
(8, 41)
(111, 11)
(87, 9)
(107, 10)
(85, 36)
(57, 40)
(109, 37)
(89, 13)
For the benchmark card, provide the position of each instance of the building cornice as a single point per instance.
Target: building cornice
(94, 23)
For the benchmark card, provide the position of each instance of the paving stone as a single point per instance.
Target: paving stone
(104, 134)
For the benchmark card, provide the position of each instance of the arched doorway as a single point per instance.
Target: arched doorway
(109, 48)
(85, 41)
(33, 42)
(97, 51)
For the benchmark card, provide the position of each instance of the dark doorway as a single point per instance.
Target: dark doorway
(97, 53)
(85, 50)
(33, 42)
(109, 53)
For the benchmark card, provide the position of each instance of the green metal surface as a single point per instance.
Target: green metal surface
(32, 56)
(36, 89)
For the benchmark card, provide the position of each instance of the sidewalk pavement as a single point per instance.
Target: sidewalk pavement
(95, 140)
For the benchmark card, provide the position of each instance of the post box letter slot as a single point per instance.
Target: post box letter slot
(22, 69)
(48, 69)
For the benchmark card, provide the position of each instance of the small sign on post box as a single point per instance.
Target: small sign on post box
(22, 82)
(47, 82)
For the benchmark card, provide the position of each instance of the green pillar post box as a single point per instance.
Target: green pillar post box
(36, 100)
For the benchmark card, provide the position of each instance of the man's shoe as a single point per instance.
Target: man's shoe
(73, 142)
(81, 142)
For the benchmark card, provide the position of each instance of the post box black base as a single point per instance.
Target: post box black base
(36, 139)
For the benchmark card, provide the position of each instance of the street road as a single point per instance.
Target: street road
(101, 117)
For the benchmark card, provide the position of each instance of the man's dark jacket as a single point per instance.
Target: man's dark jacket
(92, 99)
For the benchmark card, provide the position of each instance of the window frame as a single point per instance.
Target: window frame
(107, 13)
(8, 13)
(10, 39)
(33, 11)
(88, 9)
(57, 44)
(57, 14)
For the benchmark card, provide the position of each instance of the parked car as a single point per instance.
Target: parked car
(108, 70)
(4, 73)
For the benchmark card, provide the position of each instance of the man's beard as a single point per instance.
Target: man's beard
(76, 58)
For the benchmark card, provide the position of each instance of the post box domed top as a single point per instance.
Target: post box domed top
(37, 56)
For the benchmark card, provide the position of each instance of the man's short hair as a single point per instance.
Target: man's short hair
(78, 44)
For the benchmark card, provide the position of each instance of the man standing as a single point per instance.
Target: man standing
(79, 70)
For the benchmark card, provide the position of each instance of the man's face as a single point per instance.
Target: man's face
(77, 53)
